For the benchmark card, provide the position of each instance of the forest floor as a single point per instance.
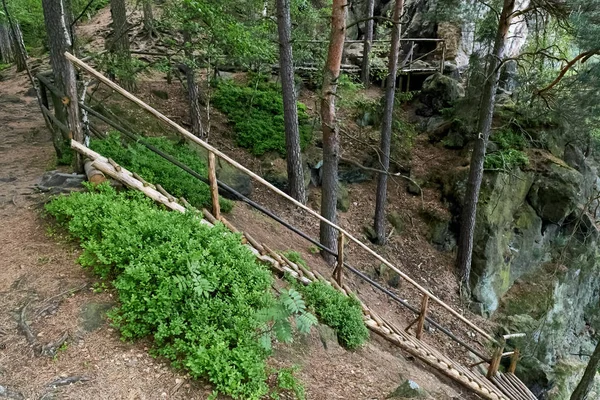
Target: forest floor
(44, 291)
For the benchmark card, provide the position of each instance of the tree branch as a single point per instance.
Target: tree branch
(583, 56)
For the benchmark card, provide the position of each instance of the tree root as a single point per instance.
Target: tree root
(51, 348)
(6, 393)
(68, 381)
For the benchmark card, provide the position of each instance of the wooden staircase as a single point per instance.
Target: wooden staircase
(495, 385)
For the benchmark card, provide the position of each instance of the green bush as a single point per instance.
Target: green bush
(510, 154)
(506, 159)
(195, 289)
(342, 313)
(156, 169)
(256, 113)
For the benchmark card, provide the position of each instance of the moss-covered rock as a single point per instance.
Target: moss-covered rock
(556, 192)
(408, 390)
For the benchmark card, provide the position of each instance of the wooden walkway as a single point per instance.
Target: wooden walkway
(499, 386)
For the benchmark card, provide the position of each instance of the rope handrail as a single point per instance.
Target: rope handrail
(268, 185)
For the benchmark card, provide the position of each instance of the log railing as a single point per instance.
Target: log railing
(427, 297)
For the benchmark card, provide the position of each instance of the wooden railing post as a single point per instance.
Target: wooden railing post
(495, 362)
(214, 187)
(513, 361)
(422, 315)
(337, 272)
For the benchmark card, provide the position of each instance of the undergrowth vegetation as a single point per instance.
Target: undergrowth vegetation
(510, 153)
(256, 113)
(195, 289)
(340, 312)
(153, 168)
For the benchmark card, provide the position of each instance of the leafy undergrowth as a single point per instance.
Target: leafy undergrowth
(256, 113)
(194, 288)
(137, 158)
(342, 313)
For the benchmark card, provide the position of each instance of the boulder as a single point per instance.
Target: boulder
(440, 91)
(55, 182)
(556, 192)
(229, 175)
(409, 389)
(343, 198)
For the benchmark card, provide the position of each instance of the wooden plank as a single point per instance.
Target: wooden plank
(214, 187)
(258, 178)
(421, 321)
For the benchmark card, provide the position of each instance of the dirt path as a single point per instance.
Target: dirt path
(36, 265)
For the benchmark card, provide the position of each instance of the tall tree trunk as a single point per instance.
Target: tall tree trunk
(19, 45)
(194, 98)
(60, 41)
(486, 113)
(192, 87)
(148, 18)
(365, 73)
(295, 172)
(386, 125)
(20, 54)
(587, 381)
(120, 43)
(331, 138)
(6, 43)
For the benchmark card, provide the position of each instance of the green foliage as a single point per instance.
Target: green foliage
(195, 289)
(287, 383)
(342, 313)
(510, 151)
(4, 66)
(277, 320)
(509, 139)
(256, 112)
(155, 169)
(506, 159)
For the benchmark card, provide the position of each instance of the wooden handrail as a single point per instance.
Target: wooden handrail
(258, 178)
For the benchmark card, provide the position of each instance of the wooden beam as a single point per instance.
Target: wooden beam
(513, 361)
(122, 175)
(422, 315)
(214, 186)
(339, 268)
(261, 180)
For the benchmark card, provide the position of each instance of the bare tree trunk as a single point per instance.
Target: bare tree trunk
(486, 113)
(6, 43)
(60, 41)
(20, 54)
(120, 43)
(365, 74)
(148, 18)
(194, 98)
(19, 45)
(331, 137)
(192, 87)
(386, 125)
(295, 171)
(587, 381)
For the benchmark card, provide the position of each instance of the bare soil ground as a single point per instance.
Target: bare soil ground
(44, 291)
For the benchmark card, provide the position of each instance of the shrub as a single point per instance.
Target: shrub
(195, 289)
(256, 112)
(137, 158)
(510, 154)
(506, 159)
(342, 313)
